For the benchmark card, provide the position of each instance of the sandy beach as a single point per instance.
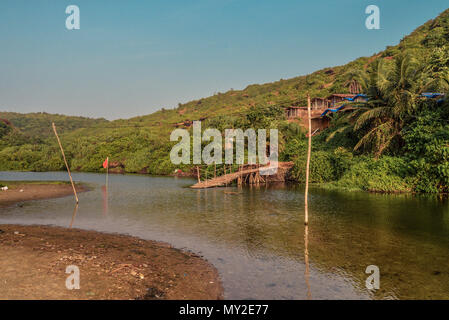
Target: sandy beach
(20, 191)
(33, 259)
(33, 262)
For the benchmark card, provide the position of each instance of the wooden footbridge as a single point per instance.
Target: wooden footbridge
(249, 174)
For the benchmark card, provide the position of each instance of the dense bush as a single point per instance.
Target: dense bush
(342, 160)
(427, 148)
(321, 168)
(325, 166)
(387, 174)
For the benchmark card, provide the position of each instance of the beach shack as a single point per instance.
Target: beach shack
(293, 112)
(319, 123)
(319, 103)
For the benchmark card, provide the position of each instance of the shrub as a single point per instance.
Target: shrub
(427, 148)
(387, 174)
(321, 168)
(293, 149)
(342, 160)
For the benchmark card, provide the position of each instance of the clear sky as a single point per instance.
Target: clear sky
(134, 57)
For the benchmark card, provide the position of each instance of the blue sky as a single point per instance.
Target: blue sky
(134, 57)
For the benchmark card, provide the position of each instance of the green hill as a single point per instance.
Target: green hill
(141, 144)
(39, 124)
(433, 34)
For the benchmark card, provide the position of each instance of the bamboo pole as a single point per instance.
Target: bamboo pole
(198, 173)
(226, 172)
(309, 150)
(306, 260)
(75, 210)
(239, 180)
(65, 161)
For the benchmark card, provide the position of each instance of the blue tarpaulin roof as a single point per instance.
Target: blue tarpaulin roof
(431, 95)
(428, 95)
(357, 96)
(332, 110)
(344, 105)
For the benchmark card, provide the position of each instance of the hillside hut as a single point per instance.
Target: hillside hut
(319, 123)
(293, 112)
(319, 103)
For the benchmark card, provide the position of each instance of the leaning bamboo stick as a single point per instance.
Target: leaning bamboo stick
(75, 210)
(309, 150)
(65, 161)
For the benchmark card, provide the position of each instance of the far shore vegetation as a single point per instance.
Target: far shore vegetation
(396, 141)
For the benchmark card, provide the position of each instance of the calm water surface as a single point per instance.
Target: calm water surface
(255, 236)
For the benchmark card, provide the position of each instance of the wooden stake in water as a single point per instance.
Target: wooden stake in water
(306, 260)
(309, 150)
(66, 164)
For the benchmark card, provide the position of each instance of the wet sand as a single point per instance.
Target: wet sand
(20, 191)
(33, 262)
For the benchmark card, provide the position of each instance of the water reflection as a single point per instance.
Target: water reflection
(306, 261)
(255, 237)
(105, 199)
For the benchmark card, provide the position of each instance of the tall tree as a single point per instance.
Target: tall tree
(393, 89)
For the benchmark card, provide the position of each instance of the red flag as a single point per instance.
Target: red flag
(106, 163)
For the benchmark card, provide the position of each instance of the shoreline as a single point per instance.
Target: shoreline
(325, 186)
(59, 189)
(112, 266)
(24, 191)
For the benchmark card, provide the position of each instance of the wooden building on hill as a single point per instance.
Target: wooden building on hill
(319, 123)
(300, 115)
(293, 112)
(319, 103)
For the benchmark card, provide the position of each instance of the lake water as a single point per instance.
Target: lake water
(255, 236)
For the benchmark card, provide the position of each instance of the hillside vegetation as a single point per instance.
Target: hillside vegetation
(395, 142)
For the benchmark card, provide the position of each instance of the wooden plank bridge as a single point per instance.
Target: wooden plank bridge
(249, 174)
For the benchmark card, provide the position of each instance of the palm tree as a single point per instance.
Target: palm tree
(437, 68)
(393, 89)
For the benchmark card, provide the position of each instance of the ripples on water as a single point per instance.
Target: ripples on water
(255, 236)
